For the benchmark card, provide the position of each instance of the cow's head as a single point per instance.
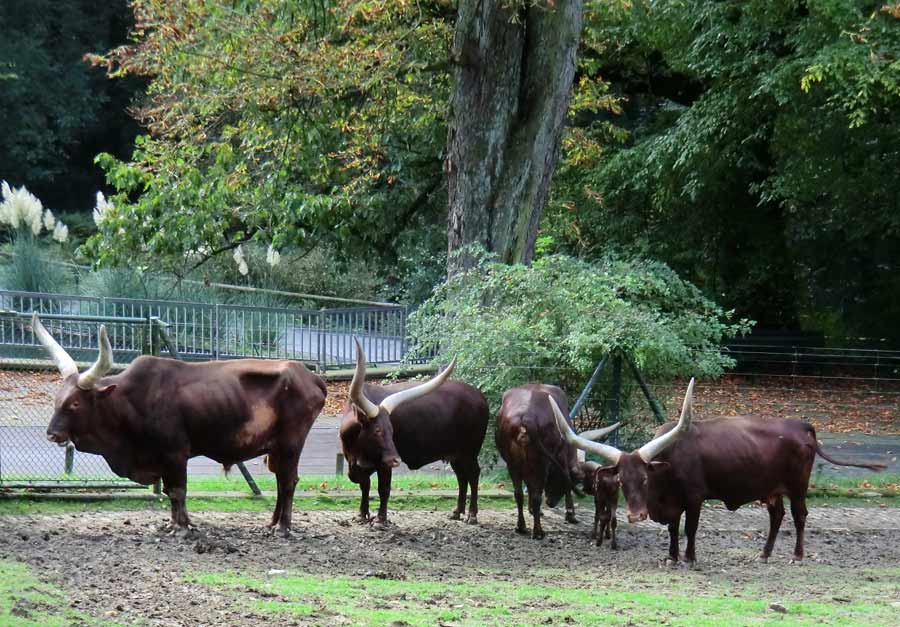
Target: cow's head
(568, 472)
(635, 470)
(75, 403)
(374, 445)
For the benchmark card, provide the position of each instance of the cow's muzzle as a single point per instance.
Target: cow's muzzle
(392, 462)
(633, 518)
(58, 438)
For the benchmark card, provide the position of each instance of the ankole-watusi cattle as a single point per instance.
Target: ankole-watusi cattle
(536, 454)
(417, 424)
(736, 460)
(149, 420)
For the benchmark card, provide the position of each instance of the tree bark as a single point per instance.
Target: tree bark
(512, 84)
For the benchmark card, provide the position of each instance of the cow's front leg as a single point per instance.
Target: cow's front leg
(365, 484)
(384, 493)
(175, 487)
(691, 522)
(673, 540)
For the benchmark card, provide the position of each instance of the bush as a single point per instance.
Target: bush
(33, 267)
(553, 321)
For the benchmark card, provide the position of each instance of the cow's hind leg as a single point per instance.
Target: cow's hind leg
(462, 482)
(775, 506)
(535, 496)
(272, 465)
(520, 503)
(570, 508)
(473, 475)
(286, 476)
(799, 512)
(175, 487)
(611, 531)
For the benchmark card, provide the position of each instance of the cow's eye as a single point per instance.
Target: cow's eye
(74, 405)
(645, 480)
(378, 431)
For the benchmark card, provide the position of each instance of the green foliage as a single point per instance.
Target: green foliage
(754, 152)
(553, 321)
(34, 267)
(278, 123)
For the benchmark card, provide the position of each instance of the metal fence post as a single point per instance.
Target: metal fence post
(216, 332)
(616, 396)
(322, 365)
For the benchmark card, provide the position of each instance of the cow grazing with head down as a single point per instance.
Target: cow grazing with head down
(535, 454)
(149, 420)
(417, 424)
(737, 460)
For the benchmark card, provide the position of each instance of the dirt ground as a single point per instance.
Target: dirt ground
(122, 567)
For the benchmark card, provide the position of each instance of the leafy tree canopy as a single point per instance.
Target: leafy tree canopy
(756, 152)
(282, 122)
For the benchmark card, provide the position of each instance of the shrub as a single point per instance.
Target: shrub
(551, 323)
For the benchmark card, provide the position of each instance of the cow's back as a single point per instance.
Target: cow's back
(742, 459)
(526, 428)
(446, 424)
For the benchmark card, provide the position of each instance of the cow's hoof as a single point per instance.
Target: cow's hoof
(522, 530)
(285, 532)
(380, 524)
(763, 558)
(797, 559)
(455, 515)
(472, 520)
(361, 519)
(570, 518)
(689, 565)
(537, 534)
(671, 562)
(613, 546)
(184, 532)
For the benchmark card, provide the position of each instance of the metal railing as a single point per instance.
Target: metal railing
(203, 331)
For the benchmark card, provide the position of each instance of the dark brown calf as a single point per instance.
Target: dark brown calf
(605, 486)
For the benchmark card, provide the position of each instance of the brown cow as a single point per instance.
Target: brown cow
(605, 490)
(418, 424)
(535, 453)
(149, 420)
(736, 460)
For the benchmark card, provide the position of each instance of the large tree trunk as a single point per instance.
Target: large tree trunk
(512, 84)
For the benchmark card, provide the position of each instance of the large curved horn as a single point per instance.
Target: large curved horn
(657, 445)
(58, 354)
(396, 399)
(89, 377)
(595, 435)
(357, 386)
(605, 451)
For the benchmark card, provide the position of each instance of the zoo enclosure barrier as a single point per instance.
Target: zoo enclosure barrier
(202, 331)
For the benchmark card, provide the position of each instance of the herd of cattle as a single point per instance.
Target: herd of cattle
(149, 420)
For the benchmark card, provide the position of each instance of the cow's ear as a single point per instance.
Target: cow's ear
(659, 465)
(608, 470)
(105, 391)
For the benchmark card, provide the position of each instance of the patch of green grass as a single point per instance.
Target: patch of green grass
(234, 482)
(884, 484)
(675, 598)
(27, 602)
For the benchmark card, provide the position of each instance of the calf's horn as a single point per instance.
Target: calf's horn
(605, 451)
(58, 354)
(357, 386)
(88, 379)
(598, 434)
(393, 401)
(657, 445)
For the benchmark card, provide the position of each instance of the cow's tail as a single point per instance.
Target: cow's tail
(871, 466)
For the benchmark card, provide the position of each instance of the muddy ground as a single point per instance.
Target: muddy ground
(121, 566)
